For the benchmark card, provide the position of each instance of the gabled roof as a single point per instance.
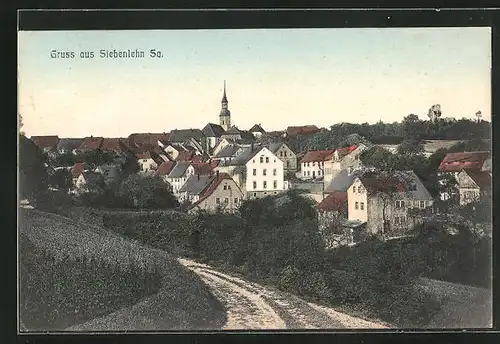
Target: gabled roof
(455, 162)
(481, 178)
(197, 184)
(179, 169)
(275, 133)
(149, 138)
(399, 181)
(342, 152)
(91, 143)
(150, 155)
(246, 137)
(317, 155)
(185, 156)
(183, 135)
(69, 144)
(213, 130)
(244, 156)
(214, 183)
(114, 144)
(305, 129)
(233, 131)
(335, 201)
(343, 180)
(257, 128)
(77, 169)
(42, 142)
(201, 168)
(165, 168)
(227, 152)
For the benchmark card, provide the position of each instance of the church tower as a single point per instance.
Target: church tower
(225, 114)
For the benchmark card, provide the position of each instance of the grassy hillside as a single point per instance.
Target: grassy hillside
(183, 301)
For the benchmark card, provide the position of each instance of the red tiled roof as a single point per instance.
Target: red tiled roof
(165, 168)
(334, 201)
(317, 155)
(184, 156)
(42, 142)
(214, 163)
(117, 145)
(77, 169)
(455, 162)
(481, 178)
(202, 168)
(91, 143)
(376, 184)
(305, 129)
(346, 150)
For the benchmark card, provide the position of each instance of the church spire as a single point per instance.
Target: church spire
(224, 98)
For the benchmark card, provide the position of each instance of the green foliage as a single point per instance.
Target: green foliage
(470, 146)
(146, 192)
(411, 147)
(96, 157)
(56, 294)
(61, 179)
(33, 176)
(65, 159)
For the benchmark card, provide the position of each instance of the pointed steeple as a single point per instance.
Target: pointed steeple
(224, 98)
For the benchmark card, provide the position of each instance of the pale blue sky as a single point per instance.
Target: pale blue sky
(274, 77)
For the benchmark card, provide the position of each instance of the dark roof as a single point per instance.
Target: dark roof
(185, 156)
(213, 130)
(150, 155)
(202, 168)
(275, 133)
(179, 169)
(233, 131)
(455, 162)
(227, 152)
(117, 145)
(183, 135)
(196, 184)
(42, 142)
(150, 138)
(317, 155)
(481, 178)
(69, 144)
(91, 143)
(243, 157)
(305, 129)
(214, 183)
(165, 168)
(334, 201)
(246, 137)
(257, 128)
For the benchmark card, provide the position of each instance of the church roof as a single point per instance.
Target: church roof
(213, 130)
(184, 135)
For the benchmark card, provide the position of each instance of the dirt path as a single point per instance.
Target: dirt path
(252, 306)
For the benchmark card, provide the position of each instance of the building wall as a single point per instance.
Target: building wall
(467, 189)
(222, 143)
(313, 169)
(227, 195)
(288, 157)
(171, 151)
(357, 202)
(272, 164)
(147, 165)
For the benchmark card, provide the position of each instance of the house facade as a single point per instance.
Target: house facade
(472, 185)
(257, 131)
(148, 162)
(347, 158)
(312, 164)
(222, 194)
(388, 205)
(264, 174)
(285, 154)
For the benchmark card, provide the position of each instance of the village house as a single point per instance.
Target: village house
(87, 182)
(139, 139)
(47, 144)
(232, 133)
(77, 169)
(222, 194)
(312, 164)
(343, 158)
(213, 133)
(164, 169)
(472, 185)
(181, 136)
(301, 130)
(332, 213)
(264, 173)
(227, 153)
(69, 145)
(148, 161)
(194, 187)
(222, 143)
(453, 163)
(387, 205)
(182, 171)
(91, 143)
(285, 154)
(172, 150)
(257, 131)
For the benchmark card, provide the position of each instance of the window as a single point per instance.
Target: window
(413, 187)
(226, 200)
(275, 184)
(304, 173)
(254, 172)
(281, 154)
(308, 164)
(362, 205)
(217, 200)
(400, 204)
(254, 194)
(274, 160)
(264, 172)
(275, 193)
(144, 160)
(288, 164)
(261, 159)
(399, 220)
(264, 184)
(314, 163)
(354, 189)
(255, 185)
(236, 201)
(225, 187)
(285, 154)
(421, 204)
(274, 171)
(356, 205)
(319, 173)
(267, 159)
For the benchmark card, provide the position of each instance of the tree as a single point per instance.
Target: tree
(434, 112)
(33, 177)
(412, 146)
(61, 179)
(412, 127)
(146, 192)
(130, 166)
(97, 157)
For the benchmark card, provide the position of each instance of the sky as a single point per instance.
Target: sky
(275, 77)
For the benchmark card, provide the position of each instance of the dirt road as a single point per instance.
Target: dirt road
(252, 306)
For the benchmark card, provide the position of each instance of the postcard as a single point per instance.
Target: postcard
(254, 179)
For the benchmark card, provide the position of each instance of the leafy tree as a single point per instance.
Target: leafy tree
(411, 147)
(61, 179)
(96, 157)
(65, 159)
(130, 166)
(413, 128)
(146, 192)
(33, 177)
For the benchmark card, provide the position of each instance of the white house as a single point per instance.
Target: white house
(472, 184)
(312, 164)
(148, 161)
(343, 158)
(264, 173)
